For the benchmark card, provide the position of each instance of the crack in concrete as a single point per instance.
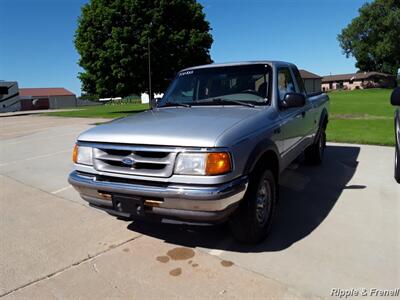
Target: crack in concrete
(34, 157)
(60, 271)
(54, 195)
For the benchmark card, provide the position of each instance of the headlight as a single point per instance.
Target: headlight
(82, 155)
(214, 163)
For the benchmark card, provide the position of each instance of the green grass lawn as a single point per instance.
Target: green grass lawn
(102, 111)
(361, 116)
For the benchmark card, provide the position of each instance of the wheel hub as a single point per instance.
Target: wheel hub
(263, 202)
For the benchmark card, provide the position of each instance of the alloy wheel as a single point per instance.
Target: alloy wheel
(263, 202)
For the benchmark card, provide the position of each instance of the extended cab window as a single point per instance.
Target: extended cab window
(285, 82)
(299, 80)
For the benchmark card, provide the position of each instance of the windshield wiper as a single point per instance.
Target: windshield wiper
(166, 104)
(223, 100)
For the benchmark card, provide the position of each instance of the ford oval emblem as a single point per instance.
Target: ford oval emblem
(128, 161)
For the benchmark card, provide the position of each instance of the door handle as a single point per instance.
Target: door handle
(277, 130)
(302, 114)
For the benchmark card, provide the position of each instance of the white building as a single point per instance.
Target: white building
(145, 97)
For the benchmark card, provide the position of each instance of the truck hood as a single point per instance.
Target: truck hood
(174, 126)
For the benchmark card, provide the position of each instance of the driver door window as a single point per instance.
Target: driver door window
(285, 83)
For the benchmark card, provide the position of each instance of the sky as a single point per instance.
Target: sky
(37, 50)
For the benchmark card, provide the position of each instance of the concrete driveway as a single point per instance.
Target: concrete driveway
(337, 227)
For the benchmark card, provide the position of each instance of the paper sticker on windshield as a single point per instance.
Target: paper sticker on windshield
(190, 72)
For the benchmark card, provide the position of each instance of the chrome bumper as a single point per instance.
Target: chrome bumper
(187, 202)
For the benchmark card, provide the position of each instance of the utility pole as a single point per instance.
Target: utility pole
(149, 57)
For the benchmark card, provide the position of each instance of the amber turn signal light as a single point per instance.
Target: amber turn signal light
(75, 154)
(218, 163)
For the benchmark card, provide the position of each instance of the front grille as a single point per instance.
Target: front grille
(132, 160)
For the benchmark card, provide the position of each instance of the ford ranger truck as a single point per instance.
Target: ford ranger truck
(211, 150)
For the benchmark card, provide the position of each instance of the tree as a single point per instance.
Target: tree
(373, 37)
(112, 40)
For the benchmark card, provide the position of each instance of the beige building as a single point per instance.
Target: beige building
(357, 81)
(312, 82)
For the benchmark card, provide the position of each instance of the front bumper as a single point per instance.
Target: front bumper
(195, 203)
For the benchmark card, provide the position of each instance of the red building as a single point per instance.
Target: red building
(46, 98)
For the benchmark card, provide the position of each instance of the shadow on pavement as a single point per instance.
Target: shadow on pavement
(307, 195)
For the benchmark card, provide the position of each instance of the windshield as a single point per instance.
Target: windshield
(222, 85)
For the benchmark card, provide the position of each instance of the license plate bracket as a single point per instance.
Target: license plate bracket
(128, 204)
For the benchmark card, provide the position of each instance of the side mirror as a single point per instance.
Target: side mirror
(395, 99)
(153, 102)
(293, 100)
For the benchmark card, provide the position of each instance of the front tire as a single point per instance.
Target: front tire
(252, 221)
(397, 165)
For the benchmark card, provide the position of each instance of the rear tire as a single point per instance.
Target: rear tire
(397, 165)
(252, 221)
(314, 154)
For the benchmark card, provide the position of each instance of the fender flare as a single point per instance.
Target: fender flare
(324, 115)
(258, 151)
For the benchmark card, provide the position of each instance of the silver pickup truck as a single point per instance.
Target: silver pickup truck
(211, 150)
